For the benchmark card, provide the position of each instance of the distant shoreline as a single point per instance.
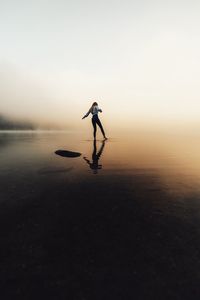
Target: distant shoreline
(32, 130)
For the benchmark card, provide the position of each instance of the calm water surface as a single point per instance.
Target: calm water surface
(173, 159)
(119, 221)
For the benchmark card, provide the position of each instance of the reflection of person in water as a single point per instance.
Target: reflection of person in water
(94, 165)
(94, 110)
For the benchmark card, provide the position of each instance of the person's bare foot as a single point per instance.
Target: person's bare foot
(105, 138)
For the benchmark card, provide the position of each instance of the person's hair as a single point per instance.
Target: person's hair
(94, 104)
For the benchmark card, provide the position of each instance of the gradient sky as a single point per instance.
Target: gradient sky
(139, 59)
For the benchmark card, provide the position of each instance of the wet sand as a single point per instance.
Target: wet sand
(121, 221)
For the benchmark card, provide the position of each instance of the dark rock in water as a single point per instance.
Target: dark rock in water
(66, 153)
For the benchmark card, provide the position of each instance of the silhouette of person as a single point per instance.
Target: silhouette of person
(94, 165)
(94, 110)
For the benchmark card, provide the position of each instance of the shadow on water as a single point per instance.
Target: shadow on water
(94, 164)
(45, 171)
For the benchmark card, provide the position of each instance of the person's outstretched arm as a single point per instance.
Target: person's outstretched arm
(86, 115)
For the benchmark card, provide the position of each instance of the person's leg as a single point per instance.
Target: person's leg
(101, 127)
(95, 127)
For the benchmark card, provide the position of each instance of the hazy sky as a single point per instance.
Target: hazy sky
(139, 59)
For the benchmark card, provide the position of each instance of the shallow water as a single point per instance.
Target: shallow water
(171, 158)
(120, 220)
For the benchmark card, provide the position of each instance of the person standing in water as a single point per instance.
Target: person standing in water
(94, 110)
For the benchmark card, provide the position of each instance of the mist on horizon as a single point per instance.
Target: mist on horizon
(140, 61)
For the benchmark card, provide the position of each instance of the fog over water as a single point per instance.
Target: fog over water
(139, 60)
